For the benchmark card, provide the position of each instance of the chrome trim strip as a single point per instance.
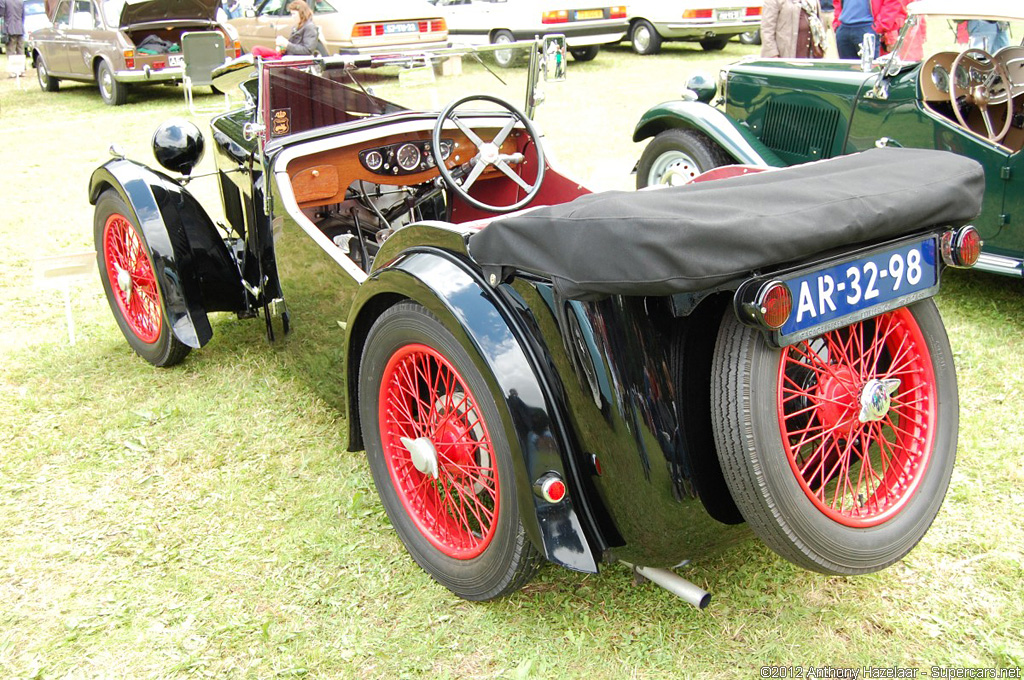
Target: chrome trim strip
(1000, 264)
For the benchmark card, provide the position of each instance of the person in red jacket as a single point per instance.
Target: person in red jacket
(854, 18)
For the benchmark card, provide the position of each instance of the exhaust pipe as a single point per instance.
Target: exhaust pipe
(673, 583)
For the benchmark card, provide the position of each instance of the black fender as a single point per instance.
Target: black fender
(736, 140)
(455, 291)
(194, 270)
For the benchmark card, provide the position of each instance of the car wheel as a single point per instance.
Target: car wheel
(714, 44)
(676, 156)
(644, 38)
(47, 83)
(126, 270)
(587, 53)
(838, 450)
(751, 37)
(440, 458)
(504, 58)
(112, 92)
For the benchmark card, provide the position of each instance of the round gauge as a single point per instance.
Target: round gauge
(940, 78)
(446, 149)
(373, 160)
(408, 157)
(963, 79)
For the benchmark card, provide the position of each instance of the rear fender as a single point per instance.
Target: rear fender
(736, 140)
(456, 294)
(194, 270)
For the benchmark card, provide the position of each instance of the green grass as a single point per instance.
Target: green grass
(207, 521)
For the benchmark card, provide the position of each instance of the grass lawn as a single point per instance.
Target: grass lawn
(207, 521)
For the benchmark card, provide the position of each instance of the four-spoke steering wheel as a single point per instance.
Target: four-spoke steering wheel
(983, 71)
(488, 154)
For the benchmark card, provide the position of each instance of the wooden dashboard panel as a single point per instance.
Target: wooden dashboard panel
(322, 178)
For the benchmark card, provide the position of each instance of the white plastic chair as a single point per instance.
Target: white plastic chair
(202, 51)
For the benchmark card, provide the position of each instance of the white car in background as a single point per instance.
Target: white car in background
(710, 22)
(585, 25)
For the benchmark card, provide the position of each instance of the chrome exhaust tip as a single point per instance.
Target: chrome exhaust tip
(673, 583)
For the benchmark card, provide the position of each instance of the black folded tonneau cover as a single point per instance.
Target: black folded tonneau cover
(693, 237)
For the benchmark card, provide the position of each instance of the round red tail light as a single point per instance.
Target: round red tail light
(775, 303)
(961, 248)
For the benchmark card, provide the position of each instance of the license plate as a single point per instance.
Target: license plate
(585, 14)
(175, 60)
(730, 15)
(856, 289)
(408, 27)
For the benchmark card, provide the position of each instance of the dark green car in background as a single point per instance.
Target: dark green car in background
(932, 92)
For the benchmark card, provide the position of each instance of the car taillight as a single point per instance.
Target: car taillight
(961, 248)
(764, 305)
(559, 16)
(753, 11)
(617, 12)
(697, 14)
(129, 58)
(438, 26)
(423, 26)
(238, 49)
(362, 30)
(550, 487)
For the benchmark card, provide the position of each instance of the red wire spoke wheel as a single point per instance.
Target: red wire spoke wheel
(454, 499)
(838, 450)
(857, 415)
(128, 265)
(130, 283)
(440, 456)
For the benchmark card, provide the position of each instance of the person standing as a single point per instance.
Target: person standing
(856, 18)
(13, 12)
(828, 13)
(990, 36)
(303, 38)
(792, 29)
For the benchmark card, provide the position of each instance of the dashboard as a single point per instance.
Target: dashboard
(938, 76)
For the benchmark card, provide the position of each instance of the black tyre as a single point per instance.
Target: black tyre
(113, 92)
(440, 458)
(644, 38)
(126, 269)
(714, 44)
(838, 450)
(504, 58)
(676, 156)
(588, 53)
(751, 37)
(47, 83)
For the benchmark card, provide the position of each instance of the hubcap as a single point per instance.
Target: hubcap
(641, 39)
(423, 454)
(876, 399)
(673, 168)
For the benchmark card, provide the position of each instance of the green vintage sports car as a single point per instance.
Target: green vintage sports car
(931, 92)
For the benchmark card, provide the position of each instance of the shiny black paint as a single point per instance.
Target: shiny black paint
(194, 269)
(480, 319)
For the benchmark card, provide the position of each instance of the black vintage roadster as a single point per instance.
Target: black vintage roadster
(540, 372)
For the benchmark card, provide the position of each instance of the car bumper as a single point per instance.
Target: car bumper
(149, 75)
(578, 36)
(693, 31)
(348, 49)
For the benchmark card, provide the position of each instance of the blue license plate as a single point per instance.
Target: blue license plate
(858, 288)
(410, 27)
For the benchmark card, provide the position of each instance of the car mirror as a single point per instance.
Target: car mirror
(555, 53)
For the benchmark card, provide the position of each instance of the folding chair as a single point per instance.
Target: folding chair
(202, 51)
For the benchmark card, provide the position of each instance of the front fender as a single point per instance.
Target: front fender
(194, 270)
(454, 292)
(736, 140)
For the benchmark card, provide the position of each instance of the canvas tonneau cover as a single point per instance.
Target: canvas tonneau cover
(689, 238)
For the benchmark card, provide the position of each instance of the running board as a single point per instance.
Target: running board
(673, 583)
(1000, 264)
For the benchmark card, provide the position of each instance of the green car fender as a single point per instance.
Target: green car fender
(734, 138)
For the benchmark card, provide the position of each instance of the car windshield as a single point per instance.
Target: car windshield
(34, 7)
(313, 96)
(926, 35)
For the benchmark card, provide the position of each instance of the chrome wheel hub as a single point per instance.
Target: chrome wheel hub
(423, 454)
(124, 281)
(876, 399)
